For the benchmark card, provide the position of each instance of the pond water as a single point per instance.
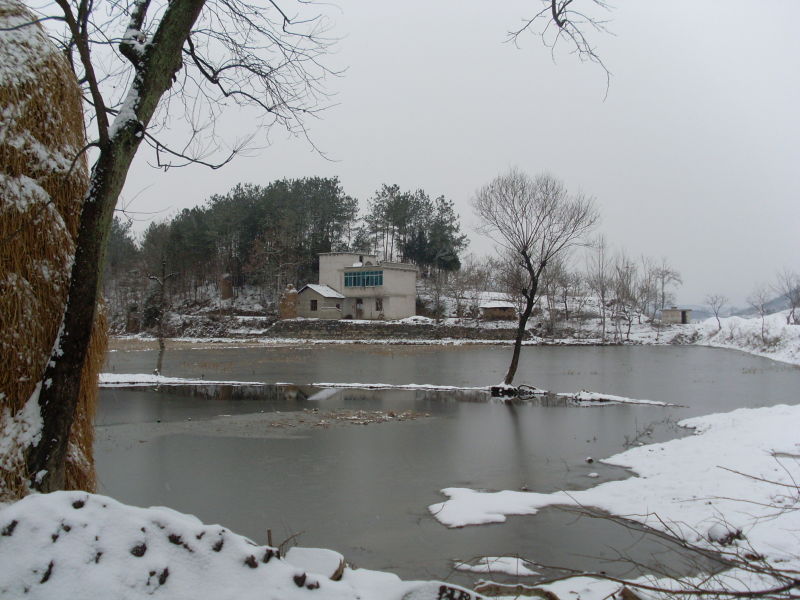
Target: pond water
(258, 458)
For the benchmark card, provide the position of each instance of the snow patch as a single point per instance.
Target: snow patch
(145, 379)
(20, 431)
(509, 565)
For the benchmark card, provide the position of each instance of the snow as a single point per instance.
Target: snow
(316, 560)
(145, 379)
(20, 431)
(80, 545)
(510, 565)
(497, 304)
(126, 114)
(23, 46)
(406, 386)
(582, 588)
(730, 473)
(595, 397)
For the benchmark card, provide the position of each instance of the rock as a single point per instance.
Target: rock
(723, 534)
(627, 594)
(318, 561)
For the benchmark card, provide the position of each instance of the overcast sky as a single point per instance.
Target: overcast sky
(694, 155)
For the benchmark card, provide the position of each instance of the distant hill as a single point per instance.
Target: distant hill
(777, 304)
(701, 312)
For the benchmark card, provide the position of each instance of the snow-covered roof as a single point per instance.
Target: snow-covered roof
(323, 290)
(497, 304)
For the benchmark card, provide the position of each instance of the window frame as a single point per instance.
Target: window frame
(371, 278)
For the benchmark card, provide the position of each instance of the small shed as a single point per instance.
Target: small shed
(498, 310)
(318, 301)
(677, 316)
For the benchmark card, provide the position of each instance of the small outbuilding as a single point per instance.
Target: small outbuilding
(677, 316)
(317, 301)
(498, 310)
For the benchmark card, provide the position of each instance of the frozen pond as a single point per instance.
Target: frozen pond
(364, 489)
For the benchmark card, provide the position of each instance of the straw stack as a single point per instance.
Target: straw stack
(43, 180)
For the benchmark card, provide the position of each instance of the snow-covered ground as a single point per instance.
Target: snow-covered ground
(779, 341)
(79, 545)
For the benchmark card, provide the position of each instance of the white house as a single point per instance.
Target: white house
(359, 286)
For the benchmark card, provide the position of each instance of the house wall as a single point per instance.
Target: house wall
(499, 314)
(326, 307)
(332, 265)
(398, 294)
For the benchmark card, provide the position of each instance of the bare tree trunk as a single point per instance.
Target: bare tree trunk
(523, 321)
(46, 459)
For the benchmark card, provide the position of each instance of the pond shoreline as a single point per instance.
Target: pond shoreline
(139, 342)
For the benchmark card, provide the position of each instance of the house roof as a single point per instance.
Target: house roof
(322, 290)
(497, 304)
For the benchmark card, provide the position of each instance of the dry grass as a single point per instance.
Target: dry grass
(41, 191)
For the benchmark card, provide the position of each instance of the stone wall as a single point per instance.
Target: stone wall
(348, 330)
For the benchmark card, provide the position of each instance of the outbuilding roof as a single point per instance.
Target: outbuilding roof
(322, 290)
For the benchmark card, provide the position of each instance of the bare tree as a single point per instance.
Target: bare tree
(758, 299)
(599, 278)
(552, 283)
(625, 286)
(716, 302)
(563, 22)
(466, 285)
(580, 298)
(133, 59)
(161, 310)
(666, 276)
(787, 285)
(534, 220)
(647, 289)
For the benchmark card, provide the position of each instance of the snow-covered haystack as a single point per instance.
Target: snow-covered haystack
(43, 179)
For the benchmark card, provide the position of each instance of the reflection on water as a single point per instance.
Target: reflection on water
(364, 489)
(704, 379)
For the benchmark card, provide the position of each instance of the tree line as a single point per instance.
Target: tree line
(268, 236)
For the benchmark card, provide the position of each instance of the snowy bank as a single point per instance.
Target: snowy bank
(736, 473)
(401, 386)
(79, 545)
(591, 398)
(146, 379)
(777, 340)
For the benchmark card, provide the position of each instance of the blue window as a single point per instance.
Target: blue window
(363, 279)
